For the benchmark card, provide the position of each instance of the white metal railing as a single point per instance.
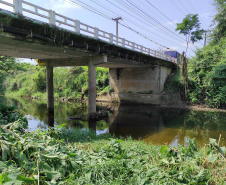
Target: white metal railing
(21, 6)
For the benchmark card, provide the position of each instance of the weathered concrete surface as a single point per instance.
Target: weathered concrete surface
(92, 87)
(26, 38)
(139, 80)
(49, 88)
(149, 99)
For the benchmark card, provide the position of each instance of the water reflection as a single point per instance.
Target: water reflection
(151, 124)
(167, 126)
(50, 119)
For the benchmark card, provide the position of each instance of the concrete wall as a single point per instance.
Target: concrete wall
(135, 98)
(139, 80)
(138, 85)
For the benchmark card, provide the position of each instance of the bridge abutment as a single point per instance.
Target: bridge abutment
(138, 85)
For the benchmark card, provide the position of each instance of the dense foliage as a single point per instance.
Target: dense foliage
(207, 70)
(207, 73)
(29, 80)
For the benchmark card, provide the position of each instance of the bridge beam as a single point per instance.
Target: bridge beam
(92, 87)
(49, 88)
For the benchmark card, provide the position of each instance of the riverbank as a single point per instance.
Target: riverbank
(75, 156)
(80, 157)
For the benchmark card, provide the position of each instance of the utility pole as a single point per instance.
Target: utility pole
(205, 37)
(116, 19)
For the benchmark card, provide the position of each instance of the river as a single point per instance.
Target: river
(152, 124)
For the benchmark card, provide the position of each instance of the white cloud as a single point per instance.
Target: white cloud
(175, 48)
(205, 15)
(61, 6)
(171, 23)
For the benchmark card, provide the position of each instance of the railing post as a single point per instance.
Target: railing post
(133, 46)
(141, 49)
(77, 26)
(17, 6)
(123, 42)
(111, 38)
(149, 51)
(96, 32)
(52, 17)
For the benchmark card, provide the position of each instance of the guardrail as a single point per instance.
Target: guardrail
(20, 6)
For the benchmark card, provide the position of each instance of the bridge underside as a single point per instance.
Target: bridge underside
(60, 55)
(25, 38)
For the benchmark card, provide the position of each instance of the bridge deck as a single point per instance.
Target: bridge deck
(27, 38)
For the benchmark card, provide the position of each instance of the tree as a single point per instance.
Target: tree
(9, 64)
(190, 27)
(219, 31)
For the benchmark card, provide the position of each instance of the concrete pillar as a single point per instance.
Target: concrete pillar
(92, 87)
(159, 80)
(49, 88)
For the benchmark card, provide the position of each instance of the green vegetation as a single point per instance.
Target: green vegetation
(20, 79)
(207, 70)
(81, 157)
(190, 27)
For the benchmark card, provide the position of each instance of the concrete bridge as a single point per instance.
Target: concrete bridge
(134, 70)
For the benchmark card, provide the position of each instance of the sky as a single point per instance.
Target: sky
(150, 23)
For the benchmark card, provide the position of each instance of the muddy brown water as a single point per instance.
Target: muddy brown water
(152, 124)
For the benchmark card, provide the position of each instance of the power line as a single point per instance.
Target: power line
(89, 8)
(194, 10)
(169, 42)
(192, 6)
(150, 17)
(178, 7)
(161, 12)
(96, 11)
(107, 8)
(145, 36)
(134, 23)
(101, 14)
(183, 6)
(114, 12)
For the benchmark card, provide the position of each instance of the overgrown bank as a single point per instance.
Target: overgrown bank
(81, 157)
(207, 70)
(20, 79)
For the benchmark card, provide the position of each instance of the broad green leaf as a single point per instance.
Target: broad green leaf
(25, 179)
(165, 161)
(72, 154)
(52, 175)
(3, 165)
(50, 156)
(5, 152)
(163, 149)
(4, 178)
(212, 157)
(44, 166)
(61, 126)
(14, 182)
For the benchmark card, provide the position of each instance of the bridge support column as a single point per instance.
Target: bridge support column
(92, 87)
(158, 79)
(49, 88)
